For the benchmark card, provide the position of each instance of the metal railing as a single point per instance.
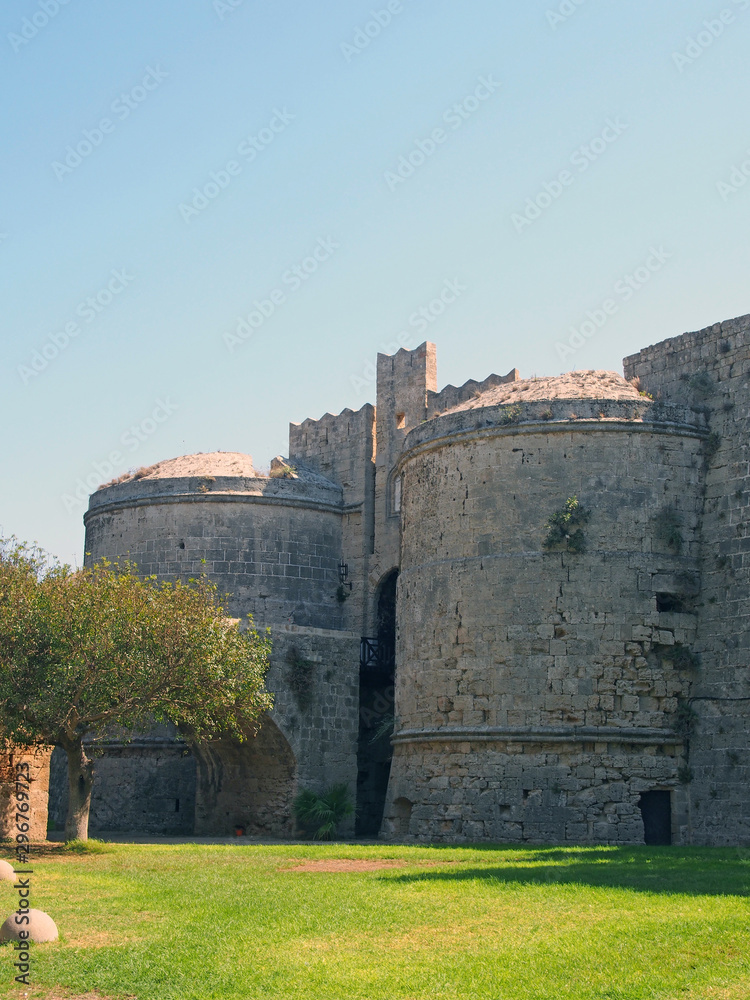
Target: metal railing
(376, 656)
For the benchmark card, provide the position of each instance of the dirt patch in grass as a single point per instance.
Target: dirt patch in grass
(344, 865)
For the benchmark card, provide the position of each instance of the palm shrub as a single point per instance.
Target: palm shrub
(320, 815)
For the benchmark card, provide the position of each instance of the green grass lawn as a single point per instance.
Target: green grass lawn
(185, 922)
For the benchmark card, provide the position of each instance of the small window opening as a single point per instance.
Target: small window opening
(397, 494)
(176, 805)
(671, 602)
(400, 420)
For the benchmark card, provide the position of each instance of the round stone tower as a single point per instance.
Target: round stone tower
(271, 542)
(549, 558)
(272, 545)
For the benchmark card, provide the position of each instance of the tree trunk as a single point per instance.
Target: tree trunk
(80, 782)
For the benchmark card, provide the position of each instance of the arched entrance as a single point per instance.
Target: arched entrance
(376, 676)
(249, 785)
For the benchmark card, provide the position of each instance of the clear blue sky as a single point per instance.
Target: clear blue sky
(114, 114)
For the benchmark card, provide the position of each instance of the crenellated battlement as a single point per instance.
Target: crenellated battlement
(330, 419)
(338, 446)
(451, 395)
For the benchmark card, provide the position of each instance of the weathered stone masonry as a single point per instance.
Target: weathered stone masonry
(544, 690)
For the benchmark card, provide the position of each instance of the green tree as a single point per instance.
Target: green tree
(86, 651)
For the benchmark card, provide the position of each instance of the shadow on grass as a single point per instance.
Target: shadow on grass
(666, 870)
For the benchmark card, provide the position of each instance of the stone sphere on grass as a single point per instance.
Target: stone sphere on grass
(6, 872)
(41, 928)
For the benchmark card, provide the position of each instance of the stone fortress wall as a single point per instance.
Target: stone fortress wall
(542, 690)
(536, 689)
(273, 544)
(710, 370)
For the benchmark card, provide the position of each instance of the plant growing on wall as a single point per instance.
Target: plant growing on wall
(701, 385)
(683, 658)
(565, 528)
(684, 720)
(300, 678)
(668, 528)
(711, 445)
(384, 728)
(510, 414)
(685, 774)
(319, 815)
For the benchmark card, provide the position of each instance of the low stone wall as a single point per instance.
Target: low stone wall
(566, 790)
(38, 761)
(143, 787)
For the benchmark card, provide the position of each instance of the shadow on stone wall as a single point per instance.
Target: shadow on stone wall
(250, 785)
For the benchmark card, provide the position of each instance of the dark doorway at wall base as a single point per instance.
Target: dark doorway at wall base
(376, 677)
(656, 810)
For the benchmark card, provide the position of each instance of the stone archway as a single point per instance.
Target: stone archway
(250, 784)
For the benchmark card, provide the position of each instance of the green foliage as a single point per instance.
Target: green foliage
(711, 445)
(668, 528)
(385, 728)
(320, 815)
(565, 528)
(510, 414)
(82, 651)
(701, 385)
(684, 720)
(283, 471)
(300, 678)
(682, 657)
(90, 846)
(685, 774)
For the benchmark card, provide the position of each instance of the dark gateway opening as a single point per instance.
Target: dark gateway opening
(377, 667)
(656, 810)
